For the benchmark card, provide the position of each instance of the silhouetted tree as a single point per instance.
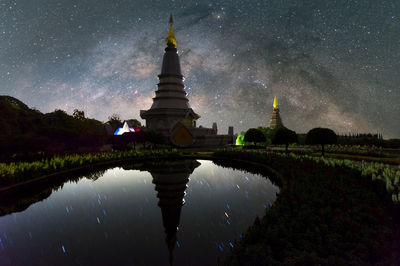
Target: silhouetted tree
(321, 136)
(284, 136)
(78, 114)
(134, 122)
(254, 135)
(115, 121)
(115, 117)
(268, 133)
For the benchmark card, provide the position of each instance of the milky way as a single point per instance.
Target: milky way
(330, 63)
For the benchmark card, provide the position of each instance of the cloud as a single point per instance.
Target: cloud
(123, 61)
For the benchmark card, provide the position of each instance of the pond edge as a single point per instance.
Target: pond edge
(95, 166)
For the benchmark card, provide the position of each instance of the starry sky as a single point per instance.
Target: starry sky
(330, 63)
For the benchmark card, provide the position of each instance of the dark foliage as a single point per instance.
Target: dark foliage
(155, 138)
(78, 114)
(26, 130)
(284, 136)
(127, 137)
(321, 136)
(302, 138)
(322, 216)
(392, 143)
(115, 121)
(368, 140)
(134, 123)
(254, 135)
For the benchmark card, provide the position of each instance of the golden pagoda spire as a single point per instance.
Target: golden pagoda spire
(275, 103)
(170, 40)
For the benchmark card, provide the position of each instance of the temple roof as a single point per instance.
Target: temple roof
(275, 117)
(275, 103)
(171, 65)
(170, 40)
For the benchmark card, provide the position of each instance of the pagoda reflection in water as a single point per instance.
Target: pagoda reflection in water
(170, 181)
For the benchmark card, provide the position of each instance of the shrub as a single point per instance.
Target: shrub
(255, 136)
(284, 136)
(321, 136)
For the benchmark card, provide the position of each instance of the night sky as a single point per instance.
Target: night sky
(330, 63)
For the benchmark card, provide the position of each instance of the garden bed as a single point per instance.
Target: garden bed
(385, 160)
(331, 213)
(21, 172)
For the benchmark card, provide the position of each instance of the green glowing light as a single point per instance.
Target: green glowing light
(240, 140)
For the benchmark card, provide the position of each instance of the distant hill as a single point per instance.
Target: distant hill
(25, 130)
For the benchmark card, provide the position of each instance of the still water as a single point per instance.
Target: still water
(182, 212)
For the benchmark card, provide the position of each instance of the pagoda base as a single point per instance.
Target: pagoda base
(162, 118)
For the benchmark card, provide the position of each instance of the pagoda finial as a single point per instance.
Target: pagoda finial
(275, 103)
(170, 40)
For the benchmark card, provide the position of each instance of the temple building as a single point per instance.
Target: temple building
(170, 103)
(275, 117)
(171, 113)
(124, 129)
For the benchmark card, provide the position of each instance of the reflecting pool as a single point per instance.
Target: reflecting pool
(186, 212)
